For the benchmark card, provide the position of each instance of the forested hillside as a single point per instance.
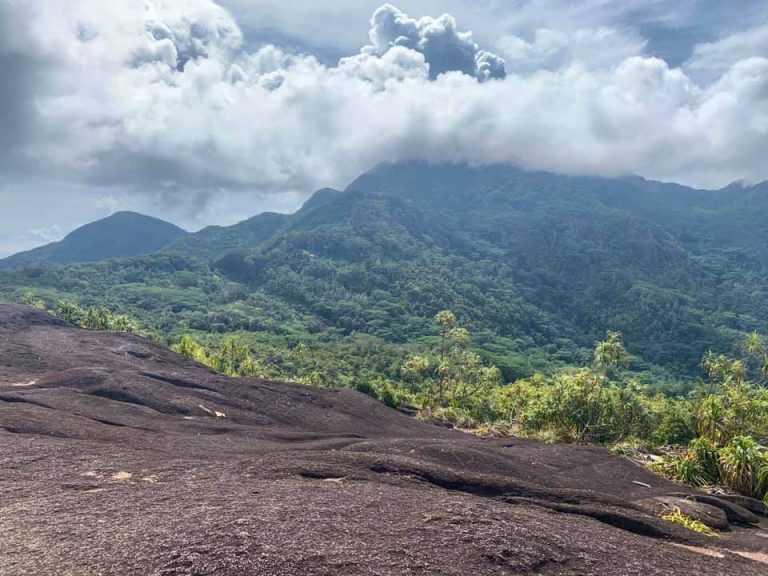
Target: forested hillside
(537, 266)
(121, 235)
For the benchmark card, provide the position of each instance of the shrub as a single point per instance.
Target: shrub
(706, 455)
(741, 466)
(684, 469)
(744, 466)
(189, 348)
(95, 318)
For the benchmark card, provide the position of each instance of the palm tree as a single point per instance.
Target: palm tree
(610, 354)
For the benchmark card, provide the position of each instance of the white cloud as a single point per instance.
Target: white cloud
(43, 235)
(555, 49)
(712, 59)
(162, 96)
(396, 64)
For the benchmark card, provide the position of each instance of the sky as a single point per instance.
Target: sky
(205, 112)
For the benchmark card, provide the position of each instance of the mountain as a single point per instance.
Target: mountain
(121, 235)
(121, 457)
(538, 266)
(216, 241)
(531, 260)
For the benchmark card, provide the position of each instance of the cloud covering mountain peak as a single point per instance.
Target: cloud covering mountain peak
(170, 98)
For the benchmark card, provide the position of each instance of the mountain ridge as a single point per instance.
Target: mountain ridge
(591, 251)
(537, 265)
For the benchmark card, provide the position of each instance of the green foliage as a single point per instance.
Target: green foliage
(28, 299)
(537, 266)
(756, 353)
(96, 318)
(387, 392)
(586, 405)
(719, 422)
(231, 357)
(452, 377)
(610, 354)
(741, 465)
(189, 348)
(728, 418)
(744, 466)
(684, 469)
(673, 422)
(733, 405)
(582, 406)
(706, 456)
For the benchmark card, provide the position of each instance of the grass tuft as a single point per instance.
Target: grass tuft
(678, 517)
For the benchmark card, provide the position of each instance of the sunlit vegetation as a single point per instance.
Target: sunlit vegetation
(29, 299)
(712, 436)
(95, 318)
(678, 517)
(715, 427)
(231, 357)
(537, 267)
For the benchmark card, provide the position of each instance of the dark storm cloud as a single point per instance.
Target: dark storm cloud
(16, 97)
(21, 75)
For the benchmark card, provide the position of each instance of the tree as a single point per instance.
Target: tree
(757, 353)
(452, 376)
(70, 312)
(95, 318)
(722, 371)
(28, 299)
(189, 348)
(450, 333)
(234, 358)
(734, 405)
(610, 354)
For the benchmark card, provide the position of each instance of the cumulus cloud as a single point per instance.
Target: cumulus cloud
(397, 63)
(165, 97)
(445, 48)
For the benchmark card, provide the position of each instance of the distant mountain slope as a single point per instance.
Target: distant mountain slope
(537, 265)
(732, 218)
(216, 241)
(120, 235)
(536, 259)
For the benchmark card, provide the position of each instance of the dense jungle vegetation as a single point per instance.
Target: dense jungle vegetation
(354, 289)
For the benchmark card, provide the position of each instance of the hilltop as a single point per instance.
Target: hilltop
(121, 235)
